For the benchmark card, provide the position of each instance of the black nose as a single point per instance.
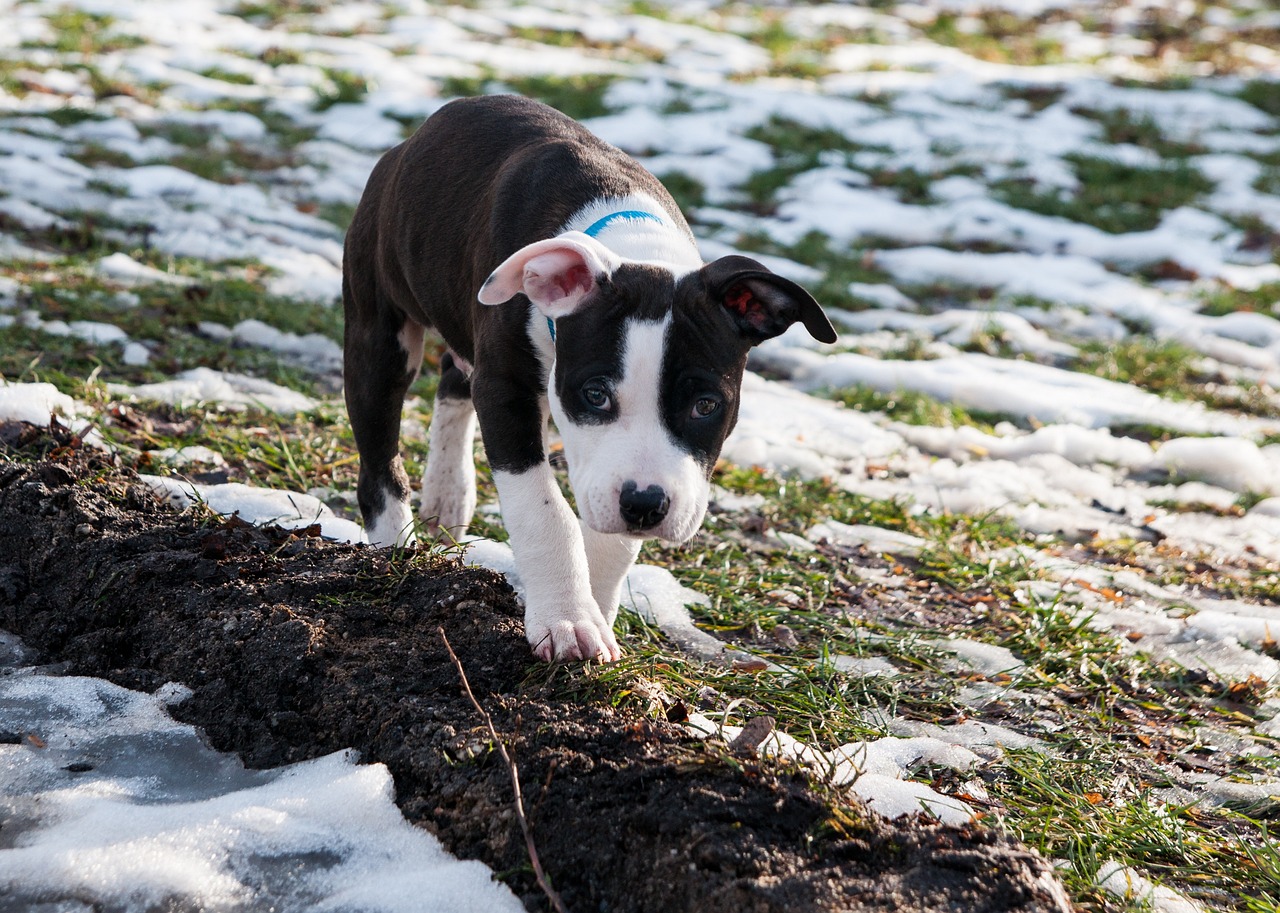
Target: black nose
(643, 509)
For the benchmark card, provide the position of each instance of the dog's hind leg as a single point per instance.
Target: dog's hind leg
(449, 481)
(382, 351)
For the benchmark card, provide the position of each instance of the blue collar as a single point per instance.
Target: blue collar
(630, 214)
(599, 225)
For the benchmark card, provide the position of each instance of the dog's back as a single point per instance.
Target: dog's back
(464, 189)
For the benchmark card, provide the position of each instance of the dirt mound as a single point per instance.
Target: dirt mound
(296, 647)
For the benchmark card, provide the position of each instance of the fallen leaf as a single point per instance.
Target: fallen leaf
(756, 730)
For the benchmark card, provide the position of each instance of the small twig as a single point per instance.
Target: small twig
(538, 873)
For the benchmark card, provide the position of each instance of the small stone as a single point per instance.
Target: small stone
(785, 638)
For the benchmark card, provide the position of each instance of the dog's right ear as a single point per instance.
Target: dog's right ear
(555, 274)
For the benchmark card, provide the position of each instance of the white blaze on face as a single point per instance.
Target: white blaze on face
(636, 446)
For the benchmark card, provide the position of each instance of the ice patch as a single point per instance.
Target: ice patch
(657, 597)
(259, 506)
(35, 403)
(120, 267)
(877, 772)
(987, 659)
(207, 386)
(1130, 885)
(873, 538)
(121, 807)
(1233, 463)
(315, 350)
(184, 456)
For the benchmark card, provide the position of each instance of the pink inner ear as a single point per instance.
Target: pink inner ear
(742, 300)
(738, 298)
(557, 281)
(551, 288)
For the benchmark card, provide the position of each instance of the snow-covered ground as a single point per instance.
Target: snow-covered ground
(948, 270)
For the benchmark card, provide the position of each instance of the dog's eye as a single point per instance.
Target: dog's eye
(705, 406)
(595, 393)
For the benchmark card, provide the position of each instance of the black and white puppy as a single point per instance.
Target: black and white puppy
(603, 315)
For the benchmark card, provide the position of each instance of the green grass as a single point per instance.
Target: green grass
(1037, 97)
(276, 12)
(293, 453)
(92, 154)
(1263, 94)
(914, 408)
(580, 96)
(278, 57)
(69, 115)
(791, 55)
(1121, 126)
(1269, 180)
(1071, 808)
(1002, 37)
(286, 132)
(165, 316)
(1223, 299)
(1112, 196)
(688, 192)
(797, 147)
(213, 157)
(225, 75)
(1172, 370)
(85, 234)
(338, 214)
(1164, 367)
(340, 87)
(80, 32)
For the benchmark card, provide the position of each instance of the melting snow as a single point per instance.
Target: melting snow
(113, 804)
(222, 388)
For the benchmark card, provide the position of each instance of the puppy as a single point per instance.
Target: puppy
(565, 283)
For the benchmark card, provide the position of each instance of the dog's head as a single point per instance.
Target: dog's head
(648, 367)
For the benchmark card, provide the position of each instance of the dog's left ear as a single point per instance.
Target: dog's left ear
(555, 274)
(762, 303)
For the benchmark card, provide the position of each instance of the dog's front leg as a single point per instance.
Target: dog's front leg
(561, 617)
(610, 557)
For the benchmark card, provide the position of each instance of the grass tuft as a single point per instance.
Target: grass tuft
(1112, 196)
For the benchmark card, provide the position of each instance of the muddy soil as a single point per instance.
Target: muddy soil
(296, 647)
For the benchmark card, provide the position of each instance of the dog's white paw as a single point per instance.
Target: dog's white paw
(565, 640)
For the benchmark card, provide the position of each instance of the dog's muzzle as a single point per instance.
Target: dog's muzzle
(642, 509)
